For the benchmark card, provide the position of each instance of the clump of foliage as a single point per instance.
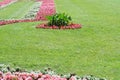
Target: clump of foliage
(59, 19)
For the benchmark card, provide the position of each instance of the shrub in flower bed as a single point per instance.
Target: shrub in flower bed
(59, 21)
(47, 74)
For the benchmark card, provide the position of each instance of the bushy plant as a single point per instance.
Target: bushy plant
(59, 19)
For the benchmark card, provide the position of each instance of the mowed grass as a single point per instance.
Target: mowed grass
(18, 10)
(94, 49)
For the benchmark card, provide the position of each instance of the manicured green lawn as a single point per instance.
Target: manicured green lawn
(16, 10)
(94, 49)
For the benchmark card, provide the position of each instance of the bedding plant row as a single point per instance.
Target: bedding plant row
(37, 13)
(47, 8)
(8, 73)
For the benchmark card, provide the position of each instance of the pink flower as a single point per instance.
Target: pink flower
(28, 78)
(73, 78)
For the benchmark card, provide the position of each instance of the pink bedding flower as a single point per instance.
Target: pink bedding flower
(47, 8)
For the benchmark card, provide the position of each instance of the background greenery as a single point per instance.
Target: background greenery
(94, 49)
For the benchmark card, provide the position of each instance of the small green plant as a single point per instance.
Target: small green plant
(59, 19)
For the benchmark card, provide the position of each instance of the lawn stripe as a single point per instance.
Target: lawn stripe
(21, 11)
(5, 13)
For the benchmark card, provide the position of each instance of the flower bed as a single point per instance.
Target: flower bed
(47, 8)
(6, 73)
(28, 17)
(16, 21)
(70, 26)
(42, 76)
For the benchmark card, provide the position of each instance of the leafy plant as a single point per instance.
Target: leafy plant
(59, 19)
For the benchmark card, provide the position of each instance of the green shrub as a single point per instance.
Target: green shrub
(59, 19)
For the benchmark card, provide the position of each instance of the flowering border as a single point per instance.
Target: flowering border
(47, 8)
(16, 21)
(8, 73)
(70, 26)
(49, 75)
